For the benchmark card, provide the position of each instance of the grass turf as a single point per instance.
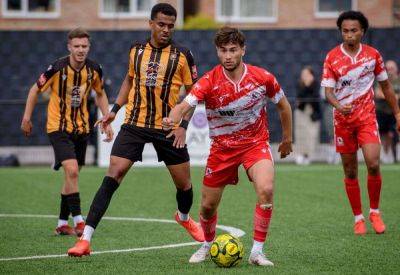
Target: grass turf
(310, 232)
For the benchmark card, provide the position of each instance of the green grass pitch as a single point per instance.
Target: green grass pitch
(310, 232)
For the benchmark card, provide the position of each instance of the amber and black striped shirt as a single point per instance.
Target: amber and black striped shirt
(158, 74)
(67, 110)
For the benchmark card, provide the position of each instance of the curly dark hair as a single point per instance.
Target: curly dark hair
(227, 35)
(164, 8)
(353, 15)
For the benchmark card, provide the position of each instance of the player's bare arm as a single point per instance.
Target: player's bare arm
(176, 115)
(285, 114)
(122, 99)
(331, 98)
(390, 97)
(26, 124)
(126, 86)
(189, 114)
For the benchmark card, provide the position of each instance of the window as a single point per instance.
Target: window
(332, 8)
(125, 8)
(31, 8)
(246, 11)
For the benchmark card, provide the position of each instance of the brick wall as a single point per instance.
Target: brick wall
(297, 14)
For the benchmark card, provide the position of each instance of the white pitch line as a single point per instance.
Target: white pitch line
(232, 230)
(102, 252)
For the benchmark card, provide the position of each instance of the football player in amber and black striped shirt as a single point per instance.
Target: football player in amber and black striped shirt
(70, 80)
(158, 68)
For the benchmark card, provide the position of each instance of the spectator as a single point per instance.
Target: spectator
(307, 116)
(386, 120)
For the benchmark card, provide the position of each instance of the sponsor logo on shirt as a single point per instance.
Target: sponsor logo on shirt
(227, 113)
(151, 74)
(346, 83)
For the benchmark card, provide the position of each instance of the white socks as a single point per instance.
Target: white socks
(62, 222)
(183, 217)
(374, 211)
(361, 216)
(257, 247)
(77, 219)
(358, 218)
(87, 233)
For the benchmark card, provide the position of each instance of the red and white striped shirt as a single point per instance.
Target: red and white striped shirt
(236, 113)
(352, 79)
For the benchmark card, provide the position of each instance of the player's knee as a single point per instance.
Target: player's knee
(268, 191)
(72, 172)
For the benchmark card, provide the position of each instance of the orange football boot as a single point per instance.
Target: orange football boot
(192, 228)
(377, 223)
(81, 248)
(64, 230)
(360, 228)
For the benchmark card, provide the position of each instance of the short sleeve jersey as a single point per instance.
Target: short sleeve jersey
(67, 110)
(236, 113)
(352, 79)
(158, 75)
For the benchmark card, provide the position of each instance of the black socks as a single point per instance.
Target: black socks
(64, 208)
(101, 201)
(185, 200)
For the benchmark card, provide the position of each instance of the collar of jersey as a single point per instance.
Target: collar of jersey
(160, 48)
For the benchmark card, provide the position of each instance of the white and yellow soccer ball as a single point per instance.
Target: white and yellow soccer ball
(226, 250)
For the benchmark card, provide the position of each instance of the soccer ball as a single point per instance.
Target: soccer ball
(226, 250)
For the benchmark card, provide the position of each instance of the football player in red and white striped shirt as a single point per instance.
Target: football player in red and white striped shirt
(235, 95)
(349, 73)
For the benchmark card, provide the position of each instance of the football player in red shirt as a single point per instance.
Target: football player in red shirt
(235, 96)
(349, 73)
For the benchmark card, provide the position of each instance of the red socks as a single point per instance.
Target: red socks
(374, 190)
(262, 217)
(353, 193)
(209, 227)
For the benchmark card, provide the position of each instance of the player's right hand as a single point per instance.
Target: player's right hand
(285, 148)
(345, 109)
(167, 124)
(26, 126)
(105, 121)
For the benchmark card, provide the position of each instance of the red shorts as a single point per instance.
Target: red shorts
(222, 165)
(349, 139)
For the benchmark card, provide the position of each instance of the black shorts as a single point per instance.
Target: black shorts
(131, 139)
(386, 122)
(68, 146)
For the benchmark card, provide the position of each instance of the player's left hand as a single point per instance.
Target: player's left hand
(285, 148)
(179, 137)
